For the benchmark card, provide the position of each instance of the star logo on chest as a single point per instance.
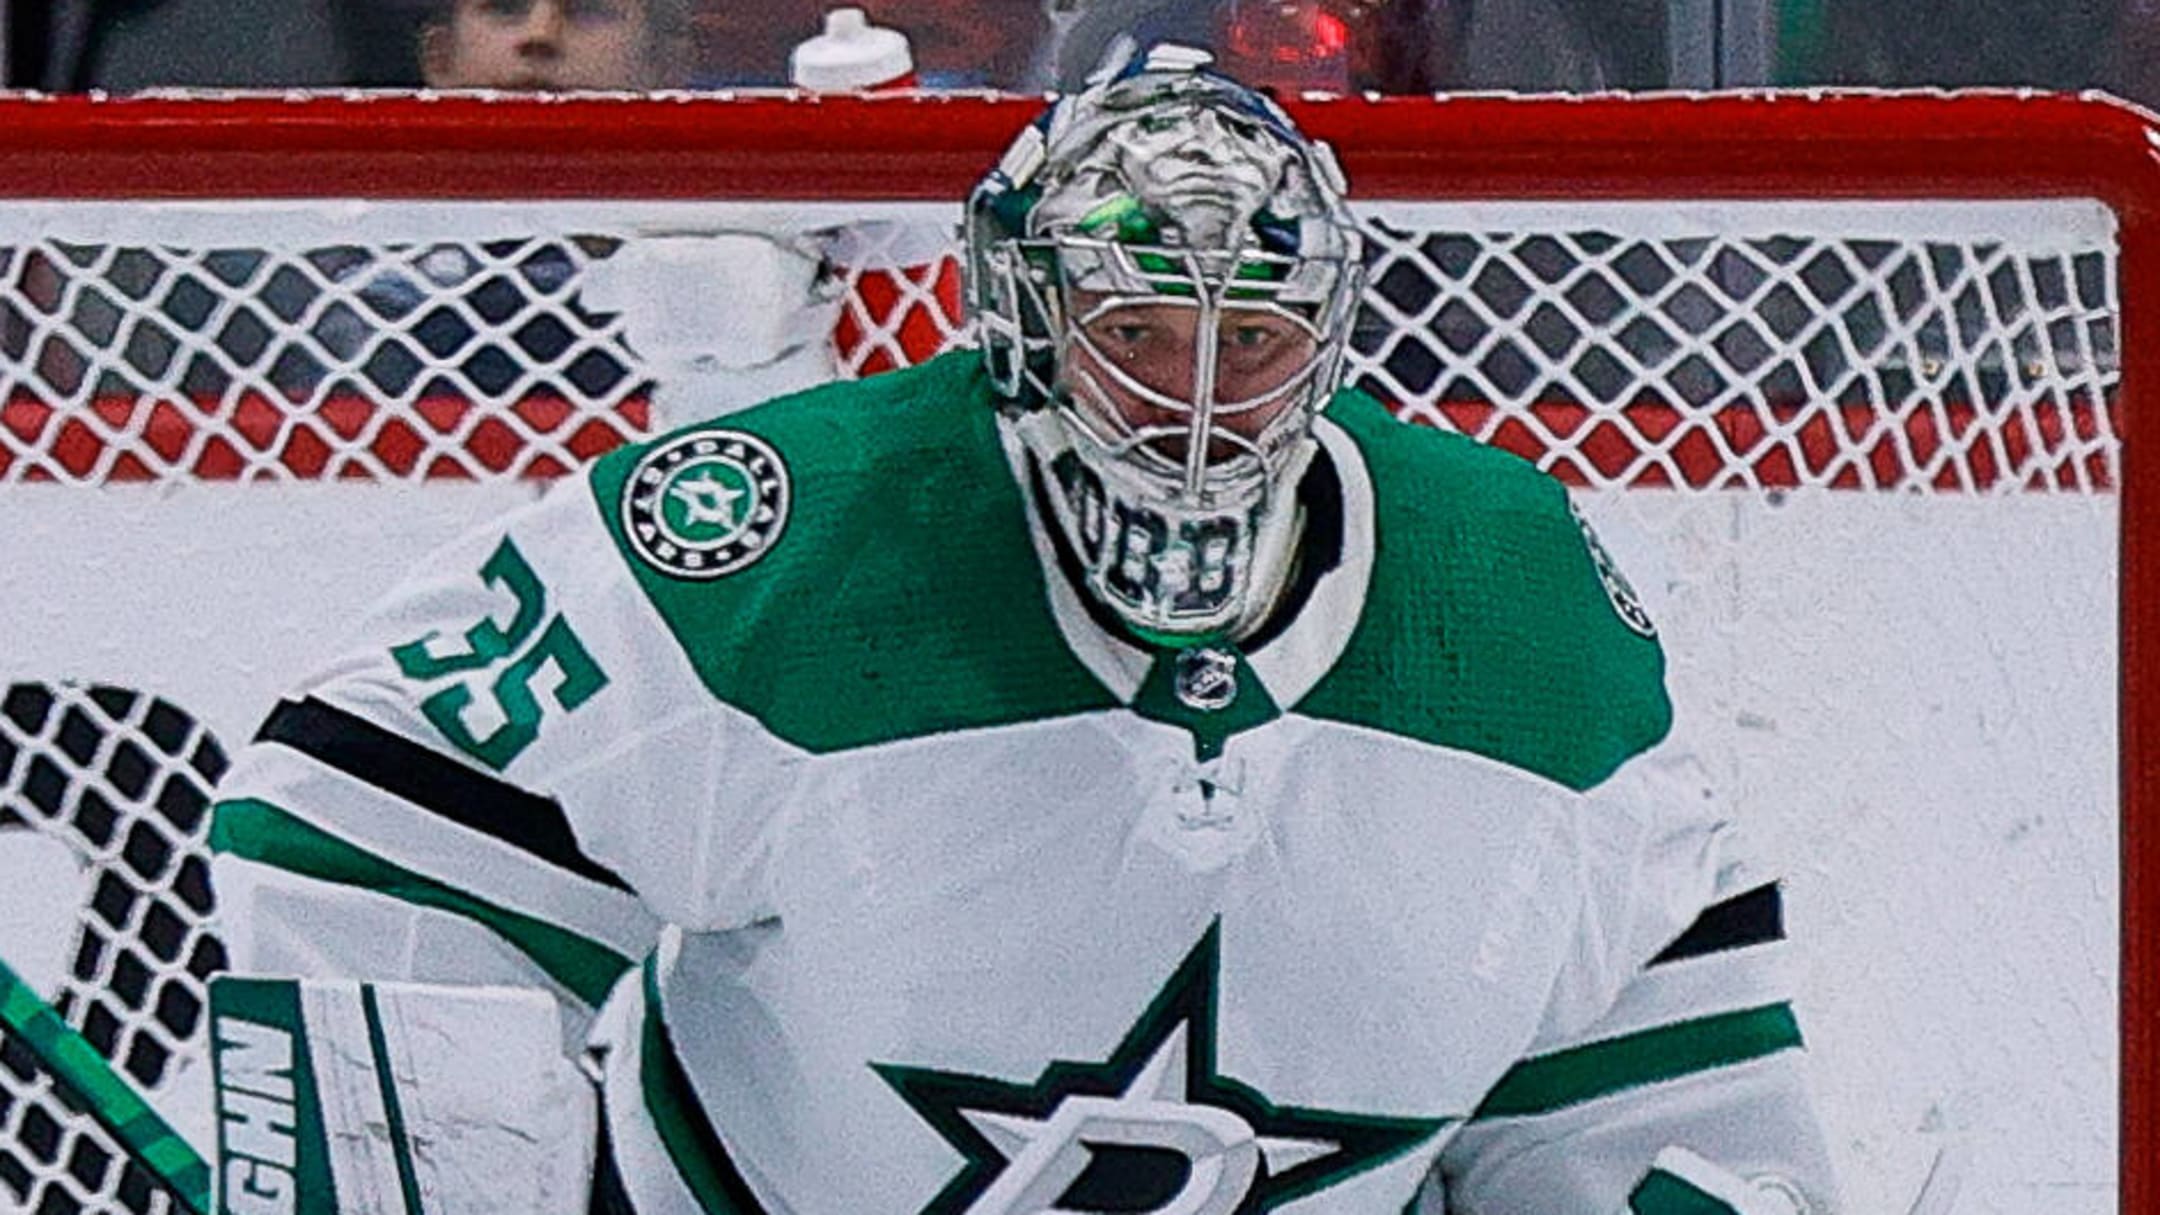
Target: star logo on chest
(1155, 1128)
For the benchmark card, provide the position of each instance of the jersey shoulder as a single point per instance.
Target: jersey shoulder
(849, 564)
(1494, 622)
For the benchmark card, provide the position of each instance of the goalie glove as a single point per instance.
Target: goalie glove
(396, 1099)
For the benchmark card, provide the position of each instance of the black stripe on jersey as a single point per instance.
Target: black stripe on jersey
(1746, 919)
(434, 782)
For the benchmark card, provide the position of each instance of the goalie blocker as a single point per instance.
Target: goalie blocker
(396, 1099)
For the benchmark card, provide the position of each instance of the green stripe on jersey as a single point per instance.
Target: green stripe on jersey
(1551, 1082)
(1661, 1193)
(904, 597)
(258, 831)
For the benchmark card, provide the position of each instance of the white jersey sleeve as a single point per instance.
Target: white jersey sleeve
(1672, 1027)
(479, 790)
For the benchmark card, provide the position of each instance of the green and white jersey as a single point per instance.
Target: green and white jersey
(928, 891)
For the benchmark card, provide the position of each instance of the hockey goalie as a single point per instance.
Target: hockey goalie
(1113, 770)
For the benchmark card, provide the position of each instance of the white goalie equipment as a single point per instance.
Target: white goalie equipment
(396, 1099)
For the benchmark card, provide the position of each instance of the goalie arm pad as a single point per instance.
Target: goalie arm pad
(1673, 1025)
(1701, 1050)
(384, 1099)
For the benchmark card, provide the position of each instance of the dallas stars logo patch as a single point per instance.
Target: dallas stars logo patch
(1154, 1128)
(706, 504)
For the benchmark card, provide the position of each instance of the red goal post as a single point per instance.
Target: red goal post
(1519, 337)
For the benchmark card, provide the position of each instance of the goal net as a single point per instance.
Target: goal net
(1843, 379)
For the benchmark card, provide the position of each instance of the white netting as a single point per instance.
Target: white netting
(122, 780)
(348, 348)
(1950, 346)
(1958, 348)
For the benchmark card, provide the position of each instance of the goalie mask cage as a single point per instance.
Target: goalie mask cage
(1911, 294)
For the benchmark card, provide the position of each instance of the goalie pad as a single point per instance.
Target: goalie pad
(396, 1099)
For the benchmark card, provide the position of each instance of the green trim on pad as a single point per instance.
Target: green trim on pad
(393, 1112)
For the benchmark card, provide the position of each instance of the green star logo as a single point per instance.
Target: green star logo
(1153, 1128)
(706, 503)
(701, 500)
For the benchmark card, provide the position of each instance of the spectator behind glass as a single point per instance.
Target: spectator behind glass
(553, 44)
(404, 316)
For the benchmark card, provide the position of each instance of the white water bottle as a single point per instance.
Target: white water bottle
(852, 55)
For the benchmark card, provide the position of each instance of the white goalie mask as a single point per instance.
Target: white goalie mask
(1164, 272)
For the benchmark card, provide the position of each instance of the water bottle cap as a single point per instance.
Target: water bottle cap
(851, 54)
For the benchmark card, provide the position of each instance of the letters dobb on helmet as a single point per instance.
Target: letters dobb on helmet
(1163, 273)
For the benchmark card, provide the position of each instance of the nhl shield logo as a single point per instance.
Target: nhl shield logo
(706, 504)
(1206, 679)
